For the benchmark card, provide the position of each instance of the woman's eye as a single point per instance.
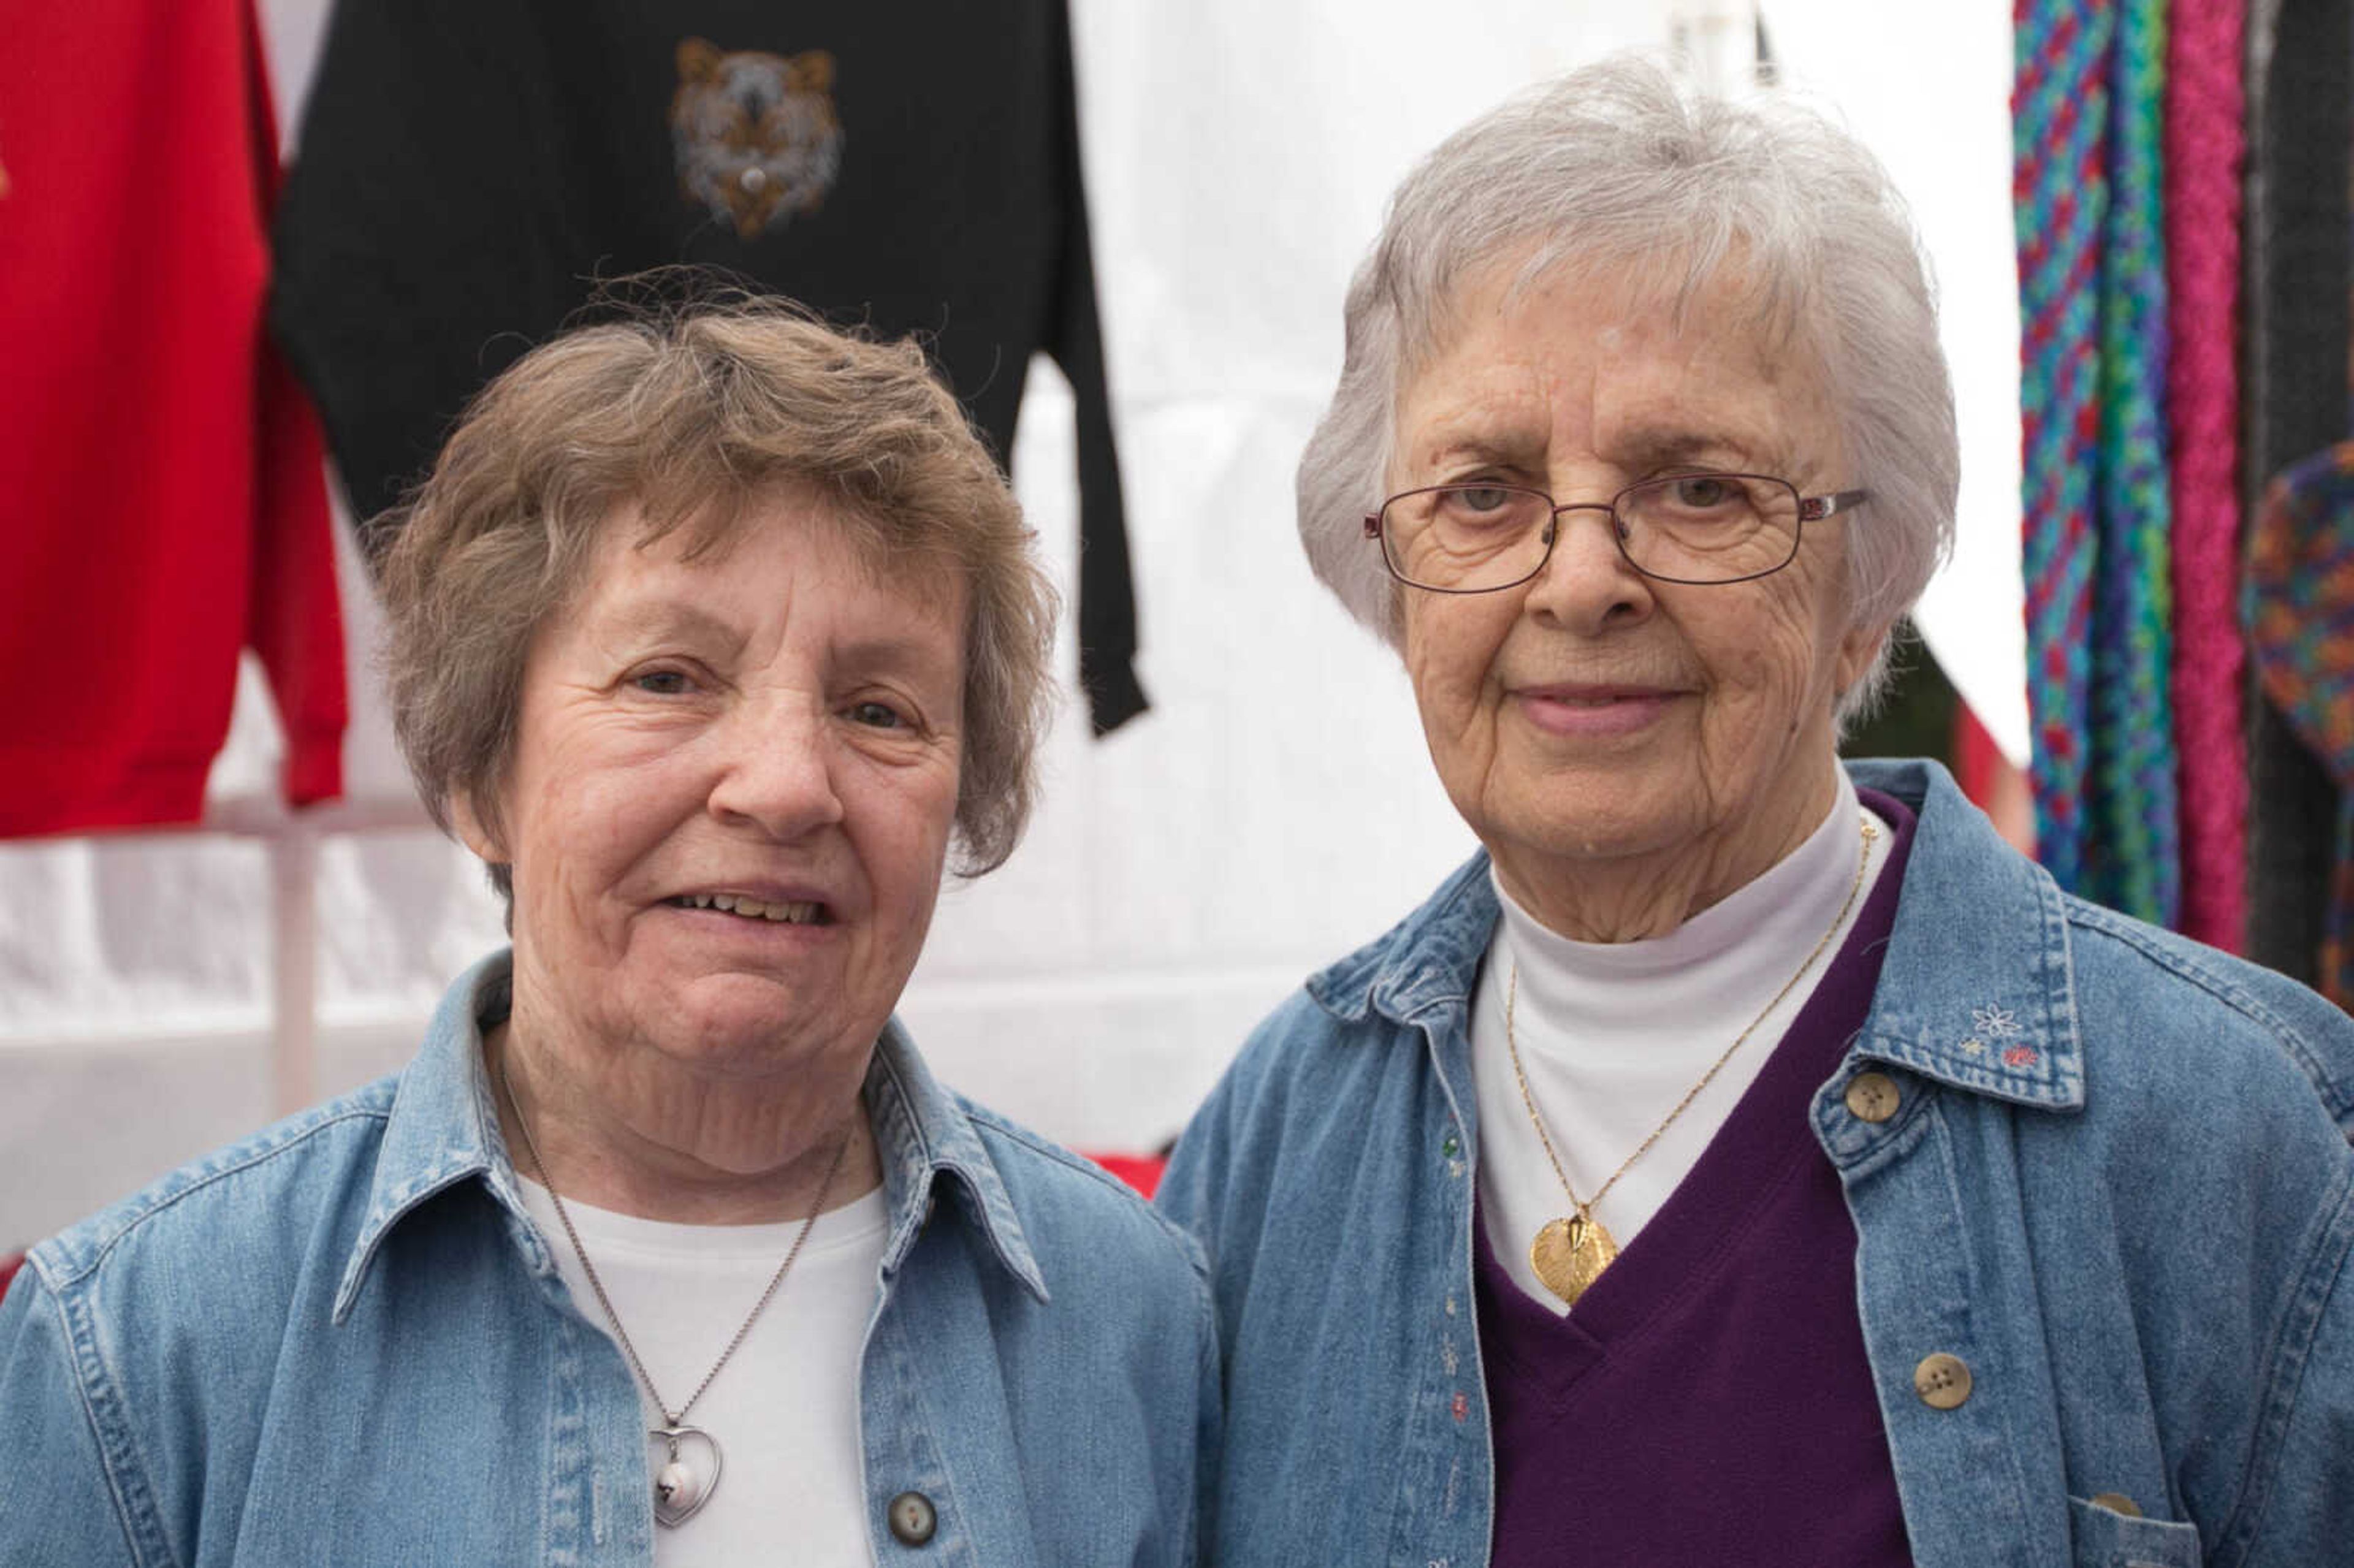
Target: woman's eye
(1482, 497)
(661, 683)
(877, 715)
(1702, 491)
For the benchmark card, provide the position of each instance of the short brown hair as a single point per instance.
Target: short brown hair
(689, 412)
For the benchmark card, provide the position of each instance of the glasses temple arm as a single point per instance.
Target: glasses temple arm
(1814, 508)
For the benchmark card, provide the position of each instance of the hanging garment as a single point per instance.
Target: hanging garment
(2059, 124)
(2301, 128)
(467, 171)
(161, 503)
(2300, 611)
(2205, 141)
(2097, 509)
(2135, 858)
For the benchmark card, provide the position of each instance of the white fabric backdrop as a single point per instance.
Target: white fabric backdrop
(1273, 810)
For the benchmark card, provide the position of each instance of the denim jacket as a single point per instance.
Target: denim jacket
(2114, 1182)
(343, 1341)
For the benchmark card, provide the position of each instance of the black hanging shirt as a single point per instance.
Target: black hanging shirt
(467, 169)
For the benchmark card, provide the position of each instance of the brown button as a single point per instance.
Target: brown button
(2117, 1503)
(1872, 1097)
(1943, 1381)
(912, 1519)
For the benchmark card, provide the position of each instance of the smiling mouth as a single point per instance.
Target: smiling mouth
(1596, 699)
(809, 913)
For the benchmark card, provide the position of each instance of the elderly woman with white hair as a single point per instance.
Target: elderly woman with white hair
(1741, 1158)
(713, 631)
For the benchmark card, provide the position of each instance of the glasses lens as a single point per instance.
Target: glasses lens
(1464, 538)
(1709, 527)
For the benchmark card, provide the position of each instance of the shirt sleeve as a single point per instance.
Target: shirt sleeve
(2304, 1513)
(1218, 1176)
(61, 1501)
(1106, 610)
(420, 242)
(293, 617)
(1190, 1185)
(1209, 1431)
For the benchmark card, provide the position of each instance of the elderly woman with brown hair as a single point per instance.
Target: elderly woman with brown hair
(712, 634)
(1741, 1160)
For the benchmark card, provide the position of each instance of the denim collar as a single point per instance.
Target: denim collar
(1429, 959)
(1978, 990)
(1975, 990)
(923, 1132)
(443, 1128)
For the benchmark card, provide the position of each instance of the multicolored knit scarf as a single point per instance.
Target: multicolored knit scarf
(2086, 200)
(2206, 146)
(2299, 607)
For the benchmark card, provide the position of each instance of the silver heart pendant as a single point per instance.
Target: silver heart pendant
(687, 1466)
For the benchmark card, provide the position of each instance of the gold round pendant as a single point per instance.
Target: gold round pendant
(1570, 1253)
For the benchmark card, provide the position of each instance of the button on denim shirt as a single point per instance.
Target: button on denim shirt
(2115, 1183)
(342, 1342)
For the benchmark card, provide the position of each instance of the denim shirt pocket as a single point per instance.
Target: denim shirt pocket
(2106, 1539)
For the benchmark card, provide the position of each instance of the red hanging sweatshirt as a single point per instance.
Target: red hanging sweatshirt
(162, 500)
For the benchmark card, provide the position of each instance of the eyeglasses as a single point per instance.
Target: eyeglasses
(1683, 528)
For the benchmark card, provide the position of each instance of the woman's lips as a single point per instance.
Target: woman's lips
(758, 912)
(1593, 711)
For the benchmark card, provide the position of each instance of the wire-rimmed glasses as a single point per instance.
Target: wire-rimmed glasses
(1701, 528)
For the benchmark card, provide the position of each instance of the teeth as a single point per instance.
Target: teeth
(801, 914)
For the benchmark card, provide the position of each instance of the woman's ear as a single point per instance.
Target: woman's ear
(472, 831)
(1858, 651)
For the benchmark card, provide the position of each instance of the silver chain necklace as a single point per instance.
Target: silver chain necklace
(680, 1488)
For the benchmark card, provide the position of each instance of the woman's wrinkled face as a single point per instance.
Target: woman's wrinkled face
(1592, 713)
(734, 784)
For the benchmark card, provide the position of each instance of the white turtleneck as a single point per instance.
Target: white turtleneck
(1613, 1034)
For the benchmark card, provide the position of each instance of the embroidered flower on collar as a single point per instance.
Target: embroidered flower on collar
(1998, 1022)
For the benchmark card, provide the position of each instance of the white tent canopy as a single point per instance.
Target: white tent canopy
(161, 993)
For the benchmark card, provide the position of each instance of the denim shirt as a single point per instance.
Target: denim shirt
(343, 1341)
(2114, 1183)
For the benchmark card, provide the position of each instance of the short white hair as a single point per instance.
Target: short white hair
(1613, 170)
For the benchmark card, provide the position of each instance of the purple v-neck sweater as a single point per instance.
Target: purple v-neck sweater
(1709, 1400)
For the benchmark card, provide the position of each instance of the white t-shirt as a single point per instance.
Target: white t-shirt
(785, 1407)
(1613, 1034)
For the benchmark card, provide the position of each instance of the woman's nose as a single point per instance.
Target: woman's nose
(775, 771)
(1587, 582)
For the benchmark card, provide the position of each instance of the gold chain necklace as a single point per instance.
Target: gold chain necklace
(1569, 1252)
(681, 1489)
